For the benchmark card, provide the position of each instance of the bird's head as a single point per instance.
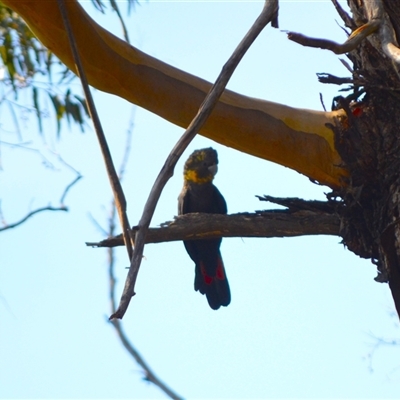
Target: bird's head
(201, 166)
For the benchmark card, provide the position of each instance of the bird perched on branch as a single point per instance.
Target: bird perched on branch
(200, 195)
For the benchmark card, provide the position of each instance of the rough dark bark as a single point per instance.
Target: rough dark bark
(393, 10)
(368, 140)
(274, 223)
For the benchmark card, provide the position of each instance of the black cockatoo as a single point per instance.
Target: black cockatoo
(200, 195)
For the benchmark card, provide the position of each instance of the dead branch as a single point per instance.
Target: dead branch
(296, 204)
(324, 77)
(62, 207)
(268, 14)
(380, 342)
(119, 196)
(261, 224)
(348, 21)
(350, 44)
(150, 376)
(32, 213)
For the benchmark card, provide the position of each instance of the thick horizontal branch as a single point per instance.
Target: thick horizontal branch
(275, 223)
(296, 138)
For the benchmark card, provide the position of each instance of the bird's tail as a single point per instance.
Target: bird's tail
(215, 286)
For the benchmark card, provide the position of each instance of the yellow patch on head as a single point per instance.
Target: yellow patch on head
(201, 166)
(191, 176)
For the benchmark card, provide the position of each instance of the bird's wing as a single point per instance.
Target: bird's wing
(219, 202)
(184, 201)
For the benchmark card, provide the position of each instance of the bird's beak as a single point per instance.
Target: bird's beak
(213, 169)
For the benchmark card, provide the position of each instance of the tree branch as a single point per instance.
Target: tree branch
(115, 184)
(32, 213)
(350, 44)
(48, 208)
(296, 138)
(150, 376)
(274, 223)
(348, 21)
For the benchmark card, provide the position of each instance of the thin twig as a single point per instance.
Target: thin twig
(269, 12)
(348, 21)
(62, 207)
(24, 146)
(115, 7)
(68, 188)
(49, 208)
(321, 99)
(117, 324)
(379, 343)
(149, 374)
(119, 196)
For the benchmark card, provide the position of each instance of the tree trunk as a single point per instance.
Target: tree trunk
(369, 143)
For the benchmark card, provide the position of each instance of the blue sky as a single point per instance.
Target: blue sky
(305, 312)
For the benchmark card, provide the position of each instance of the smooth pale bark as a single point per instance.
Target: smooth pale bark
(296, 138)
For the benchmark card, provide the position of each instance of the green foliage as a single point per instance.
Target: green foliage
(26, 65)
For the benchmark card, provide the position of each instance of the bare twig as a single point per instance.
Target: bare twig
(115, 7)
(270, 12)
(380, 342)
(112, 175)
(350, 44)
(324, 77)
(149, 374)
(25, 146)
(321, 99)
(68, 188)
(49, 208)
(62, 207)
(348, 21)
(346, 65)
(117, 324)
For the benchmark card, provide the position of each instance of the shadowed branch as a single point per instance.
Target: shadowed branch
(262, 224)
